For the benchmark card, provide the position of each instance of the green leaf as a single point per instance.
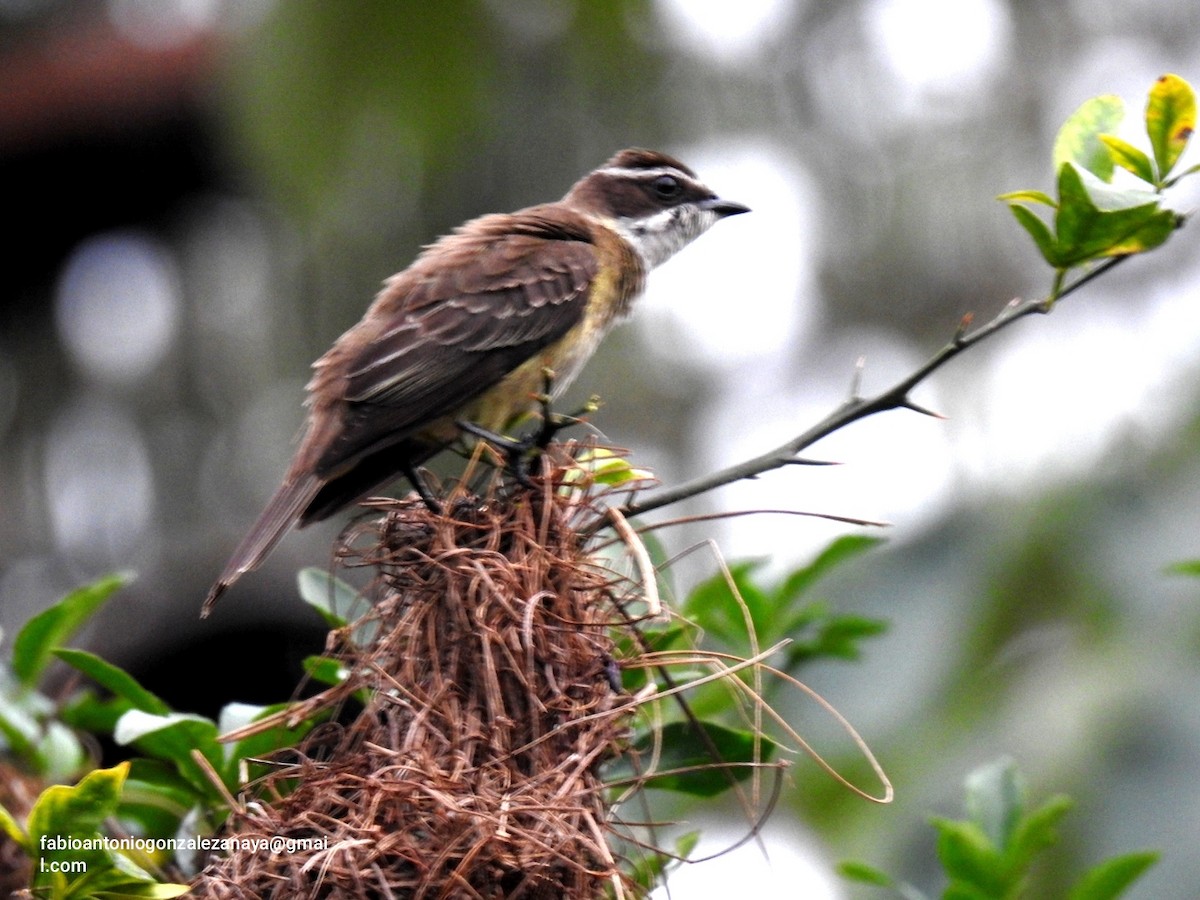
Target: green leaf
(649, 869)
(1109, 879)
(338, 602)
(1028, 196)
(713, 605)
(776, 612)
(1190, 567)
(1129, 157)
(835, 636)
(86, 711)
(143, 891)
(686, 843)
(1152, 234)
(1170, 120)
(1190, 170)
(960, 891)
(265, 742)
(52, 627)
(157, 797)
(325, 669)
(135, 725)
(761, 604)
(609, 468)
(839, 551)
(1092, 221)
(969, 857)
(114, 679)
(1037, 830)
(1042, 236)
(852, 870)
(61, 753)
(661, 638)
(1079, 142)
(21, 729)
(996, 800)
(687, 764)
(172, 738)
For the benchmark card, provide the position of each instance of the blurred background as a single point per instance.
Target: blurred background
(203, 194)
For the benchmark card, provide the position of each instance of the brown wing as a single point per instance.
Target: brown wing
(469, 311)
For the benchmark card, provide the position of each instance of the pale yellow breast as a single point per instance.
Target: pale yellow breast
(617, 284)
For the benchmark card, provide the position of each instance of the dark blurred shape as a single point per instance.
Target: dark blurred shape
(258, 663)
(97, 131)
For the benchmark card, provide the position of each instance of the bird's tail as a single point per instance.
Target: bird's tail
(285, 508)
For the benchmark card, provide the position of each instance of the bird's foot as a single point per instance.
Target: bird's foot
(415, 479)
(516, 451)
(552, 422)
(519, 453)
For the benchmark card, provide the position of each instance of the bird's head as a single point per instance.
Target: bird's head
(655, 202)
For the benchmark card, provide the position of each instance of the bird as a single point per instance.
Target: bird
(462, 338)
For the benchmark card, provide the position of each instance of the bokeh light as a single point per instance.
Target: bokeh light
(118, 305)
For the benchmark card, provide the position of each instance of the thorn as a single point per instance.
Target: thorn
(907, 403)
(860, 365)
(805, 461)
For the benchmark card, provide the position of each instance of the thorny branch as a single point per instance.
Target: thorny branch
(856, 407)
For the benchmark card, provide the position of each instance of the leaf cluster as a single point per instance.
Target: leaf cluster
(176, 786)
(1092, 218)
(732, 611)
(711, 738)
(734, 608)
(991, 854)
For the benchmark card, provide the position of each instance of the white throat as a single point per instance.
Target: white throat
(662, 235)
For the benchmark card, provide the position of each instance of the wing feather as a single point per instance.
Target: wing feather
(470, 310)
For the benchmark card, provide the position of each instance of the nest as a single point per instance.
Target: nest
(472, 769)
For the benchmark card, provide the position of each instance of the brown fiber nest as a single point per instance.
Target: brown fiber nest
(472, 769)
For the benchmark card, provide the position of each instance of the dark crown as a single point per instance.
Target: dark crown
(636, 183)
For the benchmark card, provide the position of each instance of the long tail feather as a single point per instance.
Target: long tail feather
(281, 514)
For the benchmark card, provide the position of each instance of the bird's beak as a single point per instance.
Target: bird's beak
(723, 208)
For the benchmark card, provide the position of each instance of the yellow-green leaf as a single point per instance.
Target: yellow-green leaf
(1129, 157)
(1170, 120)
(11, 827)
(74, 809)
(1027, 196)
(1078, 140)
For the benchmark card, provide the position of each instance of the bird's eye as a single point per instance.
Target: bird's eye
(666, 187)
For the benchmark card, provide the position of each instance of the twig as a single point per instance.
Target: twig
(856, 407)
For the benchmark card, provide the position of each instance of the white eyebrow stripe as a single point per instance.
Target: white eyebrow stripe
(647, 174)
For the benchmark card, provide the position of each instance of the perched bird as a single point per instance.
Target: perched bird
(465, 333)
